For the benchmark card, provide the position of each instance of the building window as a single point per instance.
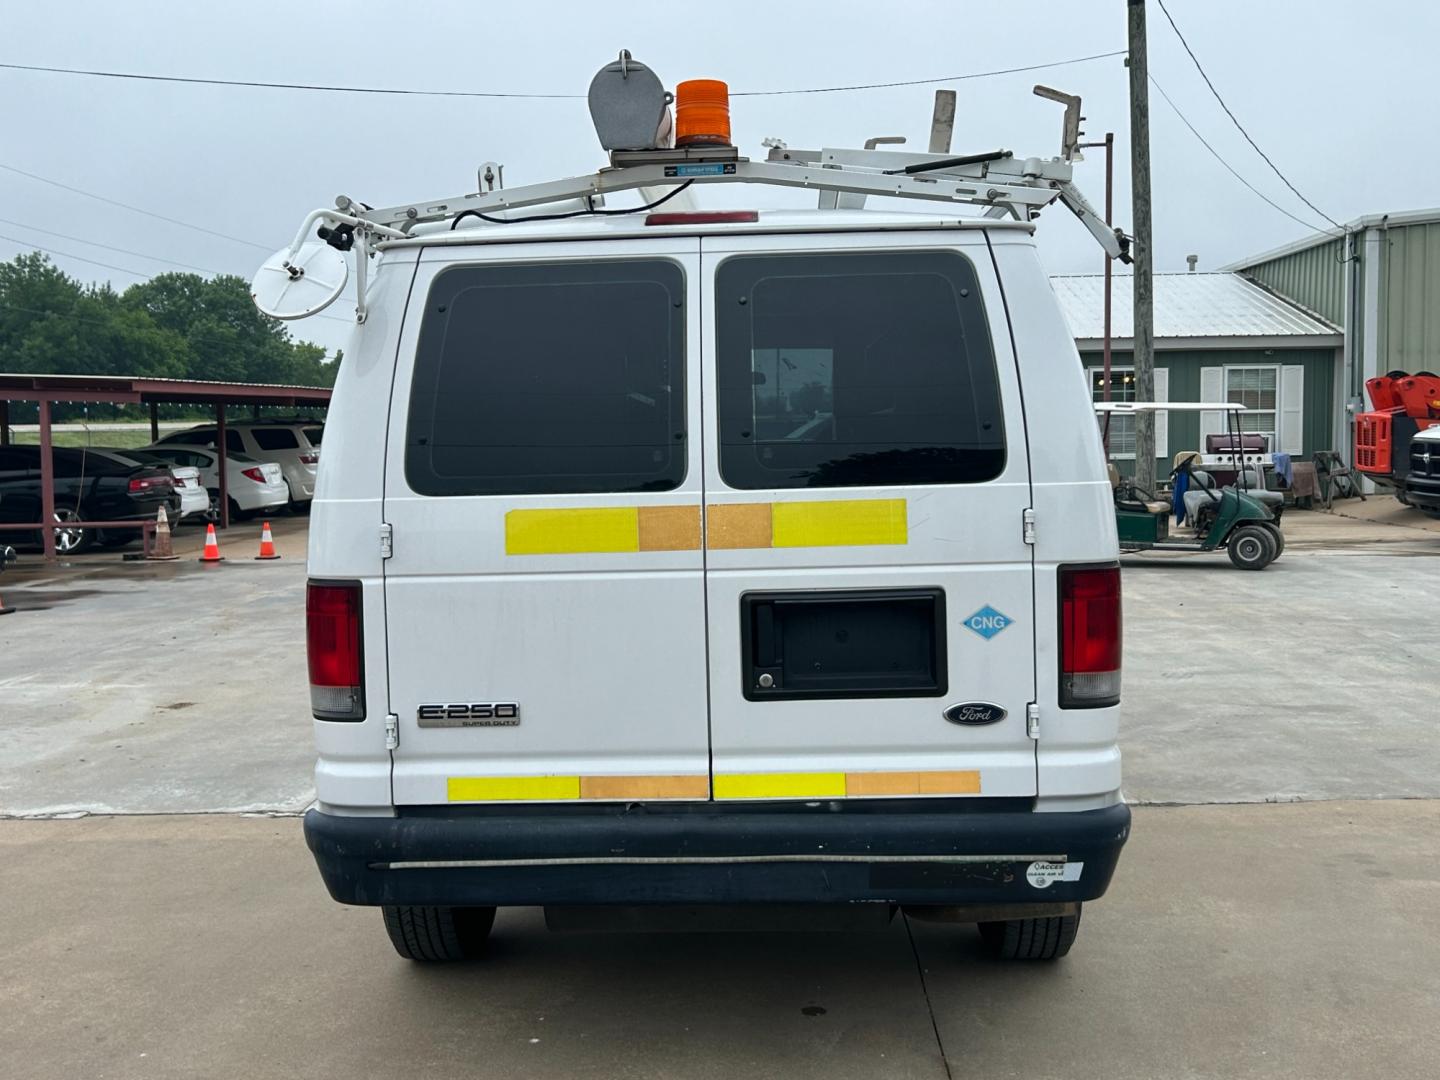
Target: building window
(1122, 388)
(1257, 388)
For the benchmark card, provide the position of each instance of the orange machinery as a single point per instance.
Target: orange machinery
(1401, 405)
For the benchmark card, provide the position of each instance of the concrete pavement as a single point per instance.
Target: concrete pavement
(139, 688)
(1238, 941)
(157, 687)
(1285, 942)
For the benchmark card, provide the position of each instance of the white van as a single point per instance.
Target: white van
(713, 558)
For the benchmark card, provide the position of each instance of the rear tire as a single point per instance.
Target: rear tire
(1046, 938)
(1251, 547)
(438, 934)
(1278, 535)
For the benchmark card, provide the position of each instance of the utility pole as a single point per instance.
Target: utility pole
(1144, 349)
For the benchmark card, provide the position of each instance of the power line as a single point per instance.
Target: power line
(134, 209)
(926, 82)
(137, 254)
(1239, 126)
(110, 266)
(1230, 168)
(107, 247)
(137, 76)
(78, 258)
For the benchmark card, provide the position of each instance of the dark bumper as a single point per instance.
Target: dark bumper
(718, 856)
(1423, 492)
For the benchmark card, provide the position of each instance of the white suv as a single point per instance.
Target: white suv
(294, 446)
(739, 557)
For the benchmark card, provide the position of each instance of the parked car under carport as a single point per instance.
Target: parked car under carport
(88, 488)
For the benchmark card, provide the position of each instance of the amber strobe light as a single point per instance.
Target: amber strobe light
(702, 113)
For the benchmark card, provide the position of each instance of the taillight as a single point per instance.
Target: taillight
(1089, 636)
(309, 459)
(254, 474)
(146, 483)
(332, 646)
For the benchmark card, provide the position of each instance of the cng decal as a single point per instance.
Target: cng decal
(987, 622)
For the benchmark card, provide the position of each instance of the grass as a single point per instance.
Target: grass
(127, 439)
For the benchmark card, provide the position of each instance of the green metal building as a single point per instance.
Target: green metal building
(1379, 282)
(1218, 337)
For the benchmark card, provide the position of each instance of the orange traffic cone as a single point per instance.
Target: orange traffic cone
(267, 544)
(161, 549)
(212, 546)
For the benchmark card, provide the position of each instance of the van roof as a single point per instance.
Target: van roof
(622, 226)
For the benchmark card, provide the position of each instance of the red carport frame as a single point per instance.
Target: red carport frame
(46, 390)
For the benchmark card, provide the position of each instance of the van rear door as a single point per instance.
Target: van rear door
(870, 588)
(545, 597)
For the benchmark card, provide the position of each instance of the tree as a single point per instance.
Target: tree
(174, 325)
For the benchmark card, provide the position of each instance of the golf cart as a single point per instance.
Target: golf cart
(1243, 517)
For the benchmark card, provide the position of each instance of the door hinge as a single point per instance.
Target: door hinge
(387, 541)
(1032, 720)
(392, 731)
(1027, 526)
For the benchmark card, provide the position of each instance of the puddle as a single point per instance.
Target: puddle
(23, 600)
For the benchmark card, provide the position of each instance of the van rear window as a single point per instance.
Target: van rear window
(548, 379)
(855, 369)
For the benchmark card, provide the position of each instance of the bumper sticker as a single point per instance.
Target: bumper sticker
(1042, 874)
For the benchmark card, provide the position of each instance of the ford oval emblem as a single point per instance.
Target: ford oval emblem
(975, 713)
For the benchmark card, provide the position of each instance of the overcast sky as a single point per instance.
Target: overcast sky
(1336, 92)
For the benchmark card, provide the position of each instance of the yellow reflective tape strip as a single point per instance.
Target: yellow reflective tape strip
(598, 530)
(737, 525)
(669, 528)
(574, 531)
(560, 788)
(645, 787)
(839, 523)
(834, 785)
(950, 783)
(511, 788)
(779, 785)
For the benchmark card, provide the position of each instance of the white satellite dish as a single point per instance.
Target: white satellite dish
(292, 288)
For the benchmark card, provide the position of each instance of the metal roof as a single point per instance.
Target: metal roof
(122, 389)
(1315, 239)
(1188, 306)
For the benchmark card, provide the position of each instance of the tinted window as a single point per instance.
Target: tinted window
(314, 434)
(855, 369)
(274, 438)
(233, 443)
(74, 463)
(179, 457)
(17, 459)
(550, 378)
(195, 436)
